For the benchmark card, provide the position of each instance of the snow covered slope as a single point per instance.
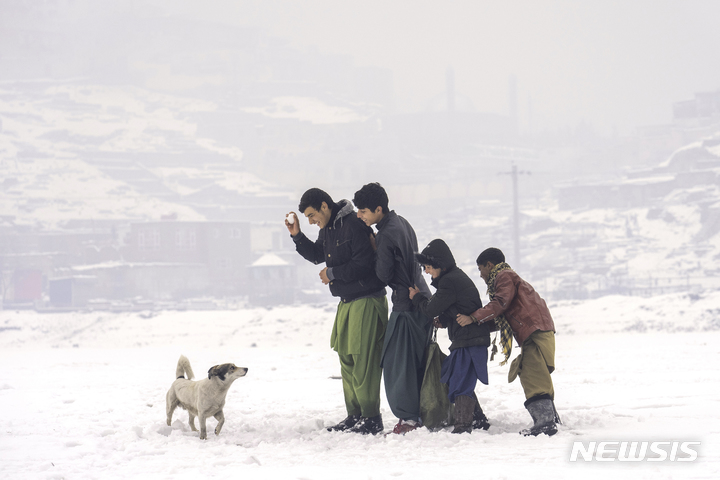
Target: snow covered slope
(76, 151)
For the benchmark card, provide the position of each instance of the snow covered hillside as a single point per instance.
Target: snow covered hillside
(76, 151)
(652, 233)
(72, 151)
(84, 397)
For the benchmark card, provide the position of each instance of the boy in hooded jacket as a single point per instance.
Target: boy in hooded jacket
(467, 363)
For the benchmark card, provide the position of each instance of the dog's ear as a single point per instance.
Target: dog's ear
(218, 371)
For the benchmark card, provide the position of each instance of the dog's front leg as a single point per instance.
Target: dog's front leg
(221, 420)
(203, 429)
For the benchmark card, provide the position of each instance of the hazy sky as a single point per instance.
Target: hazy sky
(614, 64)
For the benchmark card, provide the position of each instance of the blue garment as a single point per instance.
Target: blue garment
(463, 368)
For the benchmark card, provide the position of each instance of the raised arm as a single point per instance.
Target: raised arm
(309, 250)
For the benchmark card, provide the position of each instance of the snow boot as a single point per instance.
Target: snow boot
(542, 410)
(346, 424)
(479, 418)
(368, 425)
(464, 408)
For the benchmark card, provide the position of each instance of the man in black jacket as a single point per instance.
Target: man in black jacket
(344, 245)
(408, 330)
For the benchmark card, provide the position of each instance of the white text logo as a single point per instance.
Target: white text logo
(634, 451)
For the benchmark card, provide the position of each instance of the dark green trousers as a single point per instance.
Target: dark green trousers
(357, 337)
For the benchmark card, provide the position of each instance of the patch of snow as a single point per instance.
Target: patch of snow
(307, 109)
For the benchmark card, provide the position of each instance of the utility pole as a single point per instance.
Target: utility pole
(516, 213)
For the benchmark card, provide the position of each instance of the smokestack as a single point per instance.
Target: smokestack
(513, 102)
(450, 89)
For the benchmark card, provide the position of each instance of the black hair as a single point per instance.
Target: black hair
(493, 255)
(371, 196)
(314, 198)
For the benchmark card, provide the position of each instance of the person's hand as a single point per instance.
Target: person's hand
(372, 241)
(292, 224)
(413, 291)
(464, 320)
(323, 276)
(436, 323)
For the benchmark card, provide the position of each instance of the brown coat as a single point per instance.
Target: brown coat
(523, 308)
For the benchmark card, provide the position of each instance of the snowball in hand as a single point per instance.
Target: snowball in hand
(290, 218)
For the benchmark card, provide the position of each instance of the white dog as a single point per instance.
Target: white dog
(204, 398)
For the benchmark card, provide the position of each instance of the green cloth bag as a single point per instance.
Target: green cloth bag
(434, 402)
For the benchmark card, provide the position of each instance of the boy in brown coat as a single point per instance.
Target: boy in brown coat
(519, 311)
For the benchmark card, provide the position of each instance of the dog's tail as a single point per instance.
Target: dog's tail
(184, 368)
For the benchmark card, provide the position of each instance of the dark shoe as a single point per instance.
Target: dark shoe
(557, 416)
(464, 408)
(404, 426)
(346, 424)
(542, 410)
(549, 429)
(480, 421)
(461, 429)
(368, 425)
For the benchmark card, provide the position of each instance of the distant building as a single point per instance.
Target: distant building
(223, 248)
(80, 286)
(704, 108)
(27, 285)
(153, 261)
(273, 281)
(687, 167)
(27, 258)
(693, 120)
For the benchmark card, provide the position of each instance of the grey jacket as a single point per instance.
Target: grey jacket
(396, 265)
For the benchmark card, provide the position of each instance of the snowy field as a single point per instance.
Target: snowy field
(83, 396)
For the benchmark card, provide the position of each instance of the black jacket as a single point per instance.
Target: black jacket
(396, 266)
(456, 293)
(344, 246)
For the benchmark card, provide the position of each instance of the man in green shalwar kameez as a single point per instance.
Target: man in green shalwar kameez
(344, 245)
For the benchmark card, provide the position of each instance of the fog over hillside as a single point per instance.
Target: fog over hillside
(146, 139)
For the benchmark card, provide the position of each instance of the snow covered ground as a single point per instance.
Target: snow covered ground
(83, 396)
